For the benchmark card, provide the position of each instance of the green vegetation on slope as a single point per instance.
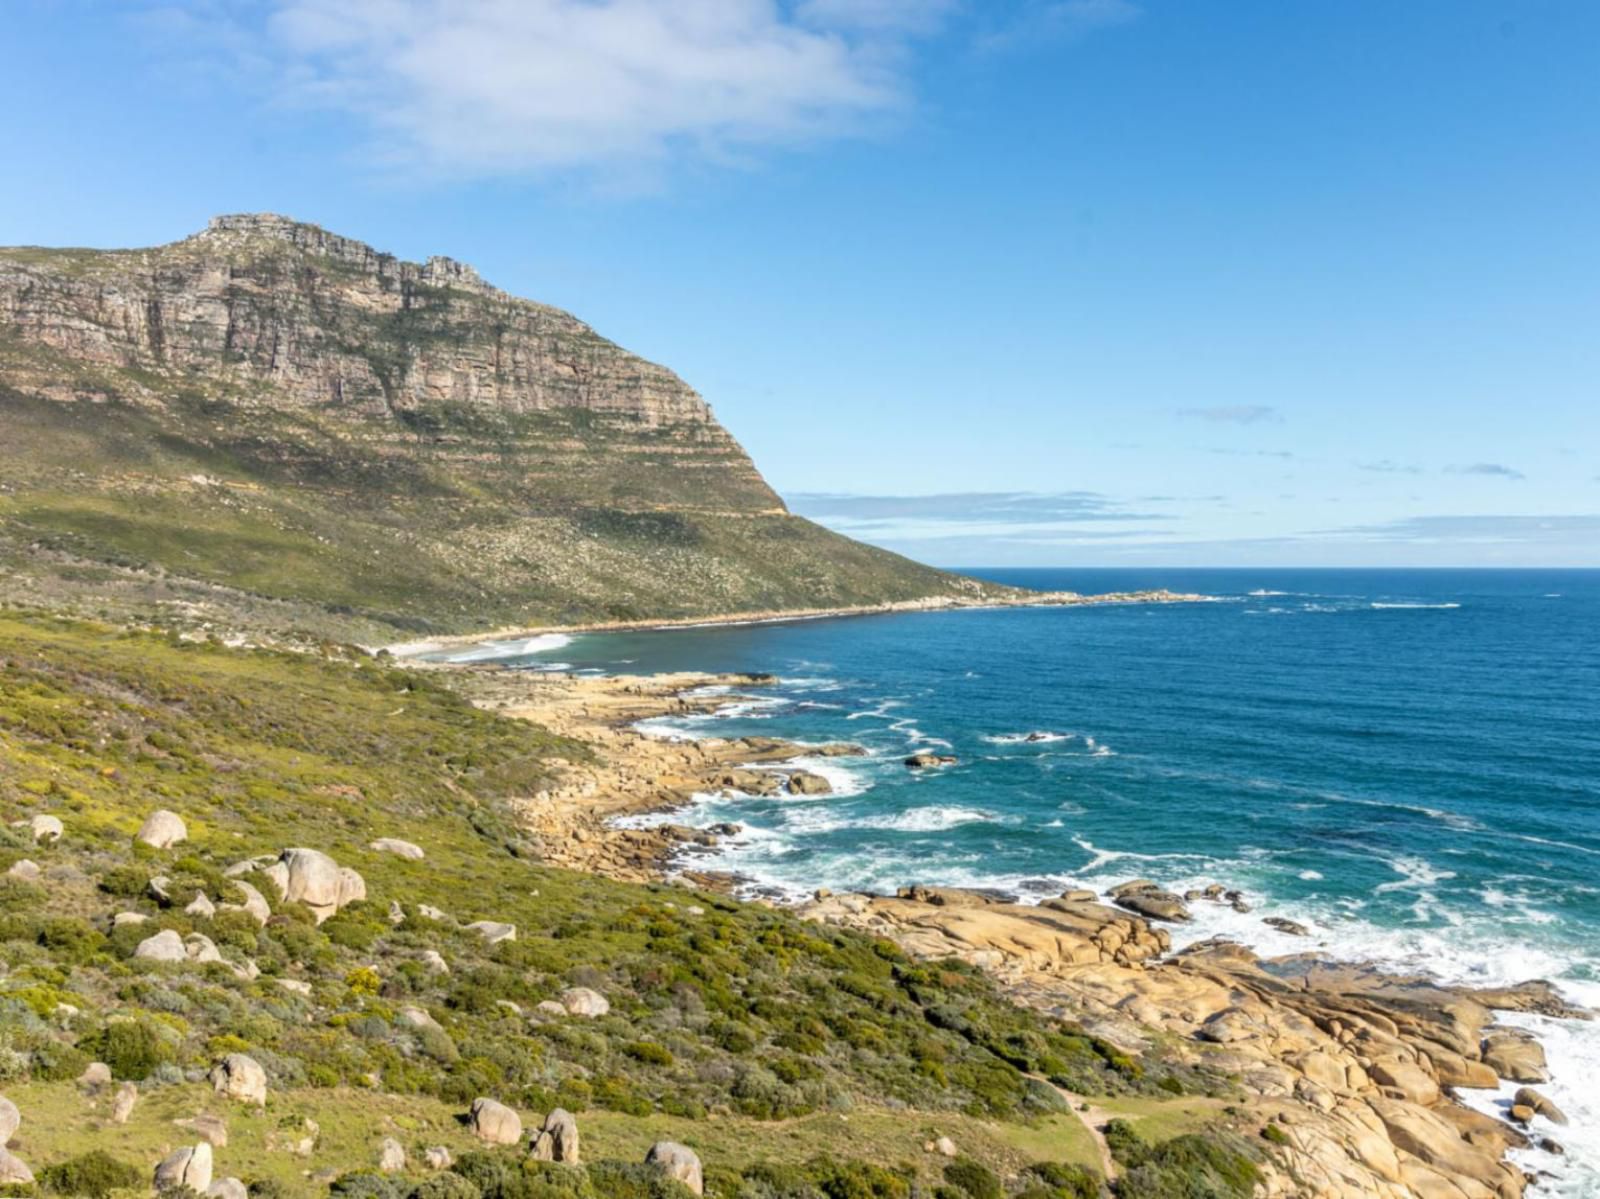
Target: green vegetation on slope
(781, 1050)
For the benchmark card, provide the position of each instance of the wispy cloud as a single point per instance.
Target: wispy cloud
(1036, 22)
(1283, 454)
(1386, 467)
(1484, 530)
(1491, 469)
(1233, 414)
(996, 507)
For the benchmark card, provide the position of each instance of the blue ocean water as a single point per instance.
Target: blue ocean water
(1406, 761)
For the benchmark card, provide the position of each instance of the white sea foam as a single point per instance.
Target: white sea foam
(1311, 876)
(1409, 605)
(489, 651)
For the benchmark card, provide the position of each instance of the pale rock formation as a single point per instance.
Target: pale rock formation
(25, 870)
(240, 1077)
(213, 1130)
(10, 1121)
(201, 906)
(162, 829)
(403, 849)
(95, 1076)
(227, 1188)
(255, 904)
(199, 948)
(557, 1139)
(494, 931)
(296, 985)
(391, 1156)
(679, 1163)
(1539, 1105)
(806, 782)
(434, 961)
(494, 1122)
(189, 1167)
(164, 946)
(13, 1170)
(45, 828)
(438, 1158)
(584, 1001)
(122, 919)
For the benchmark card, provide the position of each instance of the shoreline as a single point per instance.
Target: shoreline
(1040, 599)
(1376, 1082)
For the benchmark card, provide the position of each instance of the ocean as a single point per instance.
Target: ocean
(1407, 762)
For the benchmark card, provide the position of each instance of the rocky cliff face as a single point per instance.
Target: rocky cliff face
(292, 417)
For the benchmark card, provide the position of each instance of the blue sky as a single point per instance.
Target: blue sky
(1075, 282)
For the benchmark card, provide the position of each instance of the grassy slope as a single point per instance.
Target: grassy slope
(734, 1028)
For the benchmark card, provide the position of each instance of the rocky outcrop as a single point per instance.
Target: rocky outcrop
(240, 1077)
(494, 1122)
(557, 1139)
(401, 849)
(188, 1168)
(679, 1163)
(1354, 1065)
(162, 830)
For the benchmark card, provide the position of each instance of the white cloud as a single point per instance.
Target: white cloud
(501, 87)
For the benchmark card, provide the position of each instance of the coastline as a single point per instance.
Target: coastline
(1040, 599)
(1362, 1074)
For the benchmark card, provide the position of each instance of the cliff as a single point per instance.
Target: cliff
(269, 423)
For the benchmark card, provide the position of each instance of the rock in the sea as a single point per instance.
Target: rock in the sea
(1147, 899)
(929, 761)
(391, 1156)
(557, 1139)
(10, 1121)
(162, 829)
(1293, 928)
(1515, 1055)
(679, 1163)
(189, 1167)
(401, 849)
(494, 931)
(1078, 895)
(46, 828)
(164, 946)
(806, 782)
(13, 1170)
(239, 1076)
(494, 1122)
(1529, 1098)
(584, 1001)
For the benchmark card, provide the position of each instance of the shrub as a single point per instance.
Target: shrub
(445, 1186)
(1190, 1167)
(132, 1048)
(363, 1184)
(974, 1179)
(95, 1174)
(1062, 1180)
(630, 1180)
(649, 1052)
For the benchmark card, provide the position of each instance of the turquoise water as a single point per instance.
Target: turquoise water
(1407, 762)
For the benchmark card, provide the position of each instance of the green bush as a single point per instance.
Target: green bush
(632, 1180)
(974, 1179)
(1061, 1180)
(364, 1184)
(134, 1049)
(95, 1174)
(1190, 1167)
(445, 1186)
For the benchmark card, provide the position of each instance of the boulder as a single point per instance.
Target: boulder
(1292, 927)
(806, 782)
(198, 947)
(434, 961)
(1408, 1078)
(1522, 1113)
(189, 1167)
(493, 931)
(227, 1188)
(1078, 895)
(10, 1121)
(494, 1122)
(1529, 1098)
(125, 918)
(240, 1077)
(213, 1130)
(95, 1075)
(255, 904)
(46, 828)
(313, 878)
(352, 887)
(945, 1147)
(557, 1139)
(679, 1163)
(165, 946)
(1515, 1055)
(13, 1170)
(583, 1001)
(929, 761)
(122, 1102)
(401, 849)
(438, 1158)
(162, 829)
(1154, 904)
(391, 1156)
(201, 906)
(25, 870)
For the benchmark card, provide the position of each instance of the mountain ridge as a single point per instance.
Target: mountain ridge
(266, 422)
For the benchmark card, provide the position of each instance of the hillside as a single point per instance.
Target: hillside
(268, 424)
(797, 1061)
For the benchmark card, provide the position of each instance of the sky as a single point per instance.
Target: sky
(990, 282)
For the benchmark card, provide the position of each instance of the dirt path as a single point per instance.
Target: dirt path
(1094, 1119)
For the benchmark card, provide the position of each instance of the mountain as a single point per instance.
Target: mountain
(266, 423)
